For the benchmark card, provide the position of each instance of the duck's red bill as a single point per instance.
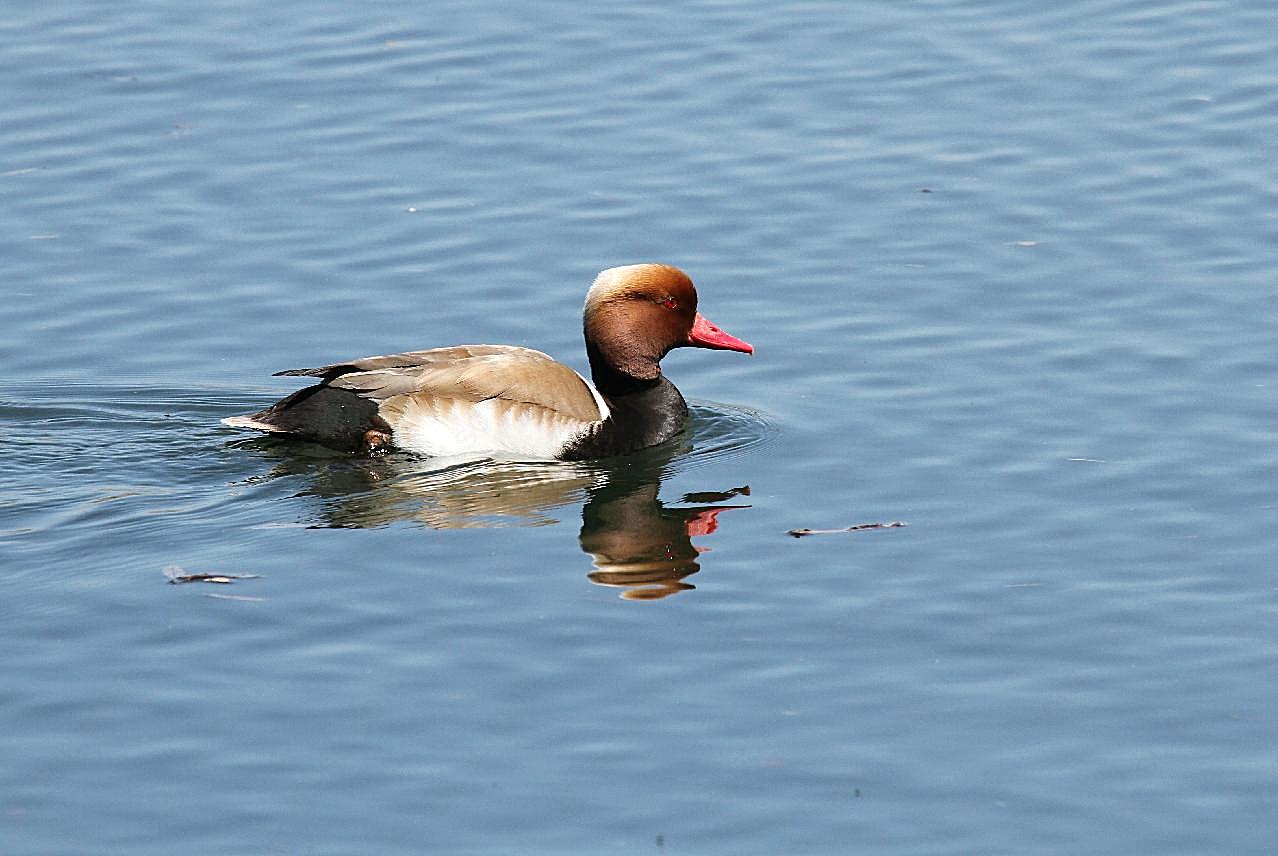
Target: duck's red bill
(705, 334)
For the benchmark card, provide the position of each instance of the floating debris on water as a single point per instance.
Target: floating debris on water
(894, 524)
(177, 575)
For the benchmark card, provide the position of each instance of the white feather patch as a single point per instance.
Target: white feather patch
(442, 427)
(604, 412)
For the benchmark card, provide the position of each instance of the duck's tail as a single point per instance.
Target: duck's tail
(324, 414)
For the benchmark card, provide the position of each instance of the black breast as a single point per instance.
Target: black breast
(642, 416)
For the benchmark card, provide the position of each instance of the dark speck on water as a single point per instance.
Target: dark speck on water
(175, 575)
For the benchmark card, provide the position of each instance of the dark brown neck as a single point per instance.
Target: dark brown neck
(611, 381)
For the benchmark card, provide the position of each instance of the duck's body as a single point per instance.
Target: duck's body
(509, 401)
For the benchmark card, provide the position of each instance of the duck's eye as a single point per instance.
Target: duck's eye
(669, 302)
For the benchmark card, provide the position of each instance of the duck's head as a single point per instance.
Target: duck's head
(637, 313)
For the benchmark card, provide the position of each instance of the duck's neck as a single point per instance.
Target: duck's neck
(611, 381)
(643, 412)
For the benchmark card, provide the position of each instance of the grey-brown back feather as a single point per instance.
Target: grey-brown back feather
(466, 373)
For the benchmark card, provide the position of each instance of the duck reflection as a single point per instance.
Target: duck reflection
(636, 542)
(640, 545)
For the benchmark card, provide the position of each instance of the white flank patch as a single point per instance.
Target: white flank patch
(604, 412)
(448, 428)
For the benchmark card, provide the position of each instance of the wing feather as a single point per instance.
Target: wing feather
(471, 373)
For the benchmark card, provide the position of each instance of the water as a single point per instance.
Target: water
(1008, 271)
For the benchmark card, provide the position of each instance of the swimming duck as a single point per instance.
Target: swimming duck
(512, 402)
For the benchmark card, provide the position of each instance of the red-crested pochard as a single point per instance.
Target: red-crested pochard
(508, 401)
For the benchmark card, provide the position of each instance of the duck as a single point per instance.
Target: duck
(511, 402)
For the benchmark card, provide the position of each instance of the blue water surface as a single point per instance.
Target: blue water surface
(1009, 271)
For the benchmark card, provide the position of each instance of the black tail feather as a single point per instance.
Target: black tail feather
(334, 417)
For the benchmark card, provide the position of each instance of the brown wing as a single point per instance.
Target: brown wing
(466, 373)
